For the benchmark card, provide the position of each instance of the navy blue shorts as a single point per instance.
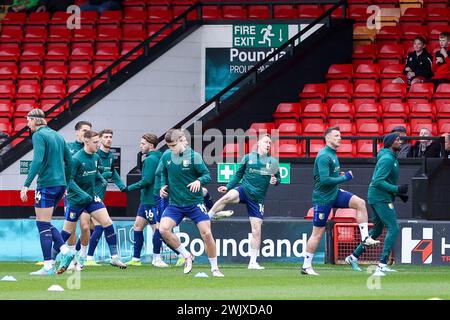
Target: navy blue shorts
(149, 213)
(321, 212)
(195, 212)
(48, 197)
(73, 214)
(254, 209)
(162, 204)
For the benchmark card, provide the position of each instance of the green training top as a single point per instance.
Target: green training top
(326, 177)
(51, 160)
(81, 189)
(147, 182)
(180, 170)
(157, 184)
(255, 172)
(107, 170)
(383, 186)
(74, 147)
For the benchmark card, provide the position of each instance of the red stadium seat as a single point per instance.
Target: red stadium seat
(341, 110)
(364, 148)
(315, 110)
(212, 13)
(388, 35)
(393, 92)
(346, 127)
(309, 11)
(419, 123)
(339, 92)
(442, 91)
(286, 11)
(313, 127)
(420, 92)
(346, 149)
(339, 72)
(7, 91)
(290, 129)
(443, 108)
(390, 54)
(6, 109)
(289, 150)
(287, 112)
(367, 71)
(315, 147)
(423, 110)
(368, 110)
(366, 93)
(395, 110)
(345, 215)
(413, 15)
(28, 92)
(364, 54)
(110, 17)
(368, 127)
(23, 108)
(258, 12)
(313, 92)
(443, 126)
(390, 72)
(234, 12)
(8, 73)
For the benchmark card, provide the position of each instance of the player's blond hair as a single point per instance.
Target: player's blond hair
(39, 117)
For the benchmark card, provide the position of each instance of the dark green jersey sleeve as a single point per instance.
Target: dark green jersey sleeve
(68, 162)
(324, 173)
(380, 180)
(148, 175)
(38, 157)
(202, 170)
(239, 174)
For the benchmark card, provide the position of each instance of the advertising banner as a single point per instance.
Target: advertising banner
(424, 243)
(281, 241)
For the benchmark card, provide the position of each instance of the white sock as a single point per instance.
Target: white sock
(364, 229)
(382, 265)
(90, 258)
(114, 256)
(72, 248)
(83, 251)
(211, 214)
(253, 255)
(182, 250)
(213, 262)
(308, 260)
(48, 264)
(156, 257)
(64, 249)
(135, 259)
(353, 257)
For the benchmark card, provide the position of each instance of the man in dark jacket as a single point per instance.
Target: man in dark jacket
(418, 66)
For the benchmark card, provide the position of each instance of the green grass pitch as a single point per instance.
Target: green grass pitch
(277, 281)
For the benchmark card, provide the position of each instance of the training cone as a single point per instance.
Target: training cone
(55, 288)
(8, 278)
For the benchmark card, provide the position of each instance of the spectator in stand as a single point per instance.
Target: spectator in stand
(405, 146)
(53, 5)
(426, 148)
(23, 6)
(447, 144)
(100, 5)
(441, 65)
(418, 63)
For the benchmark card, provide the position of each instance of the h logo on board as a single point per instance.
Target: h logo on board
(423, 246)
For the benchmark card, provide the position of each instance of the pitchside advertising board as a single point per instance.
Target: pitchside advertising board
(283, 241)
(248, 45)
(426, 243)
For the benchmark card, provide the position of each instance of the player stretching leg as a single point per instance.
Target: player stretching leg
(257, 171)
(382, 191)
(82, 197)
(52, 164)
(327, 195)
(182, 177)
